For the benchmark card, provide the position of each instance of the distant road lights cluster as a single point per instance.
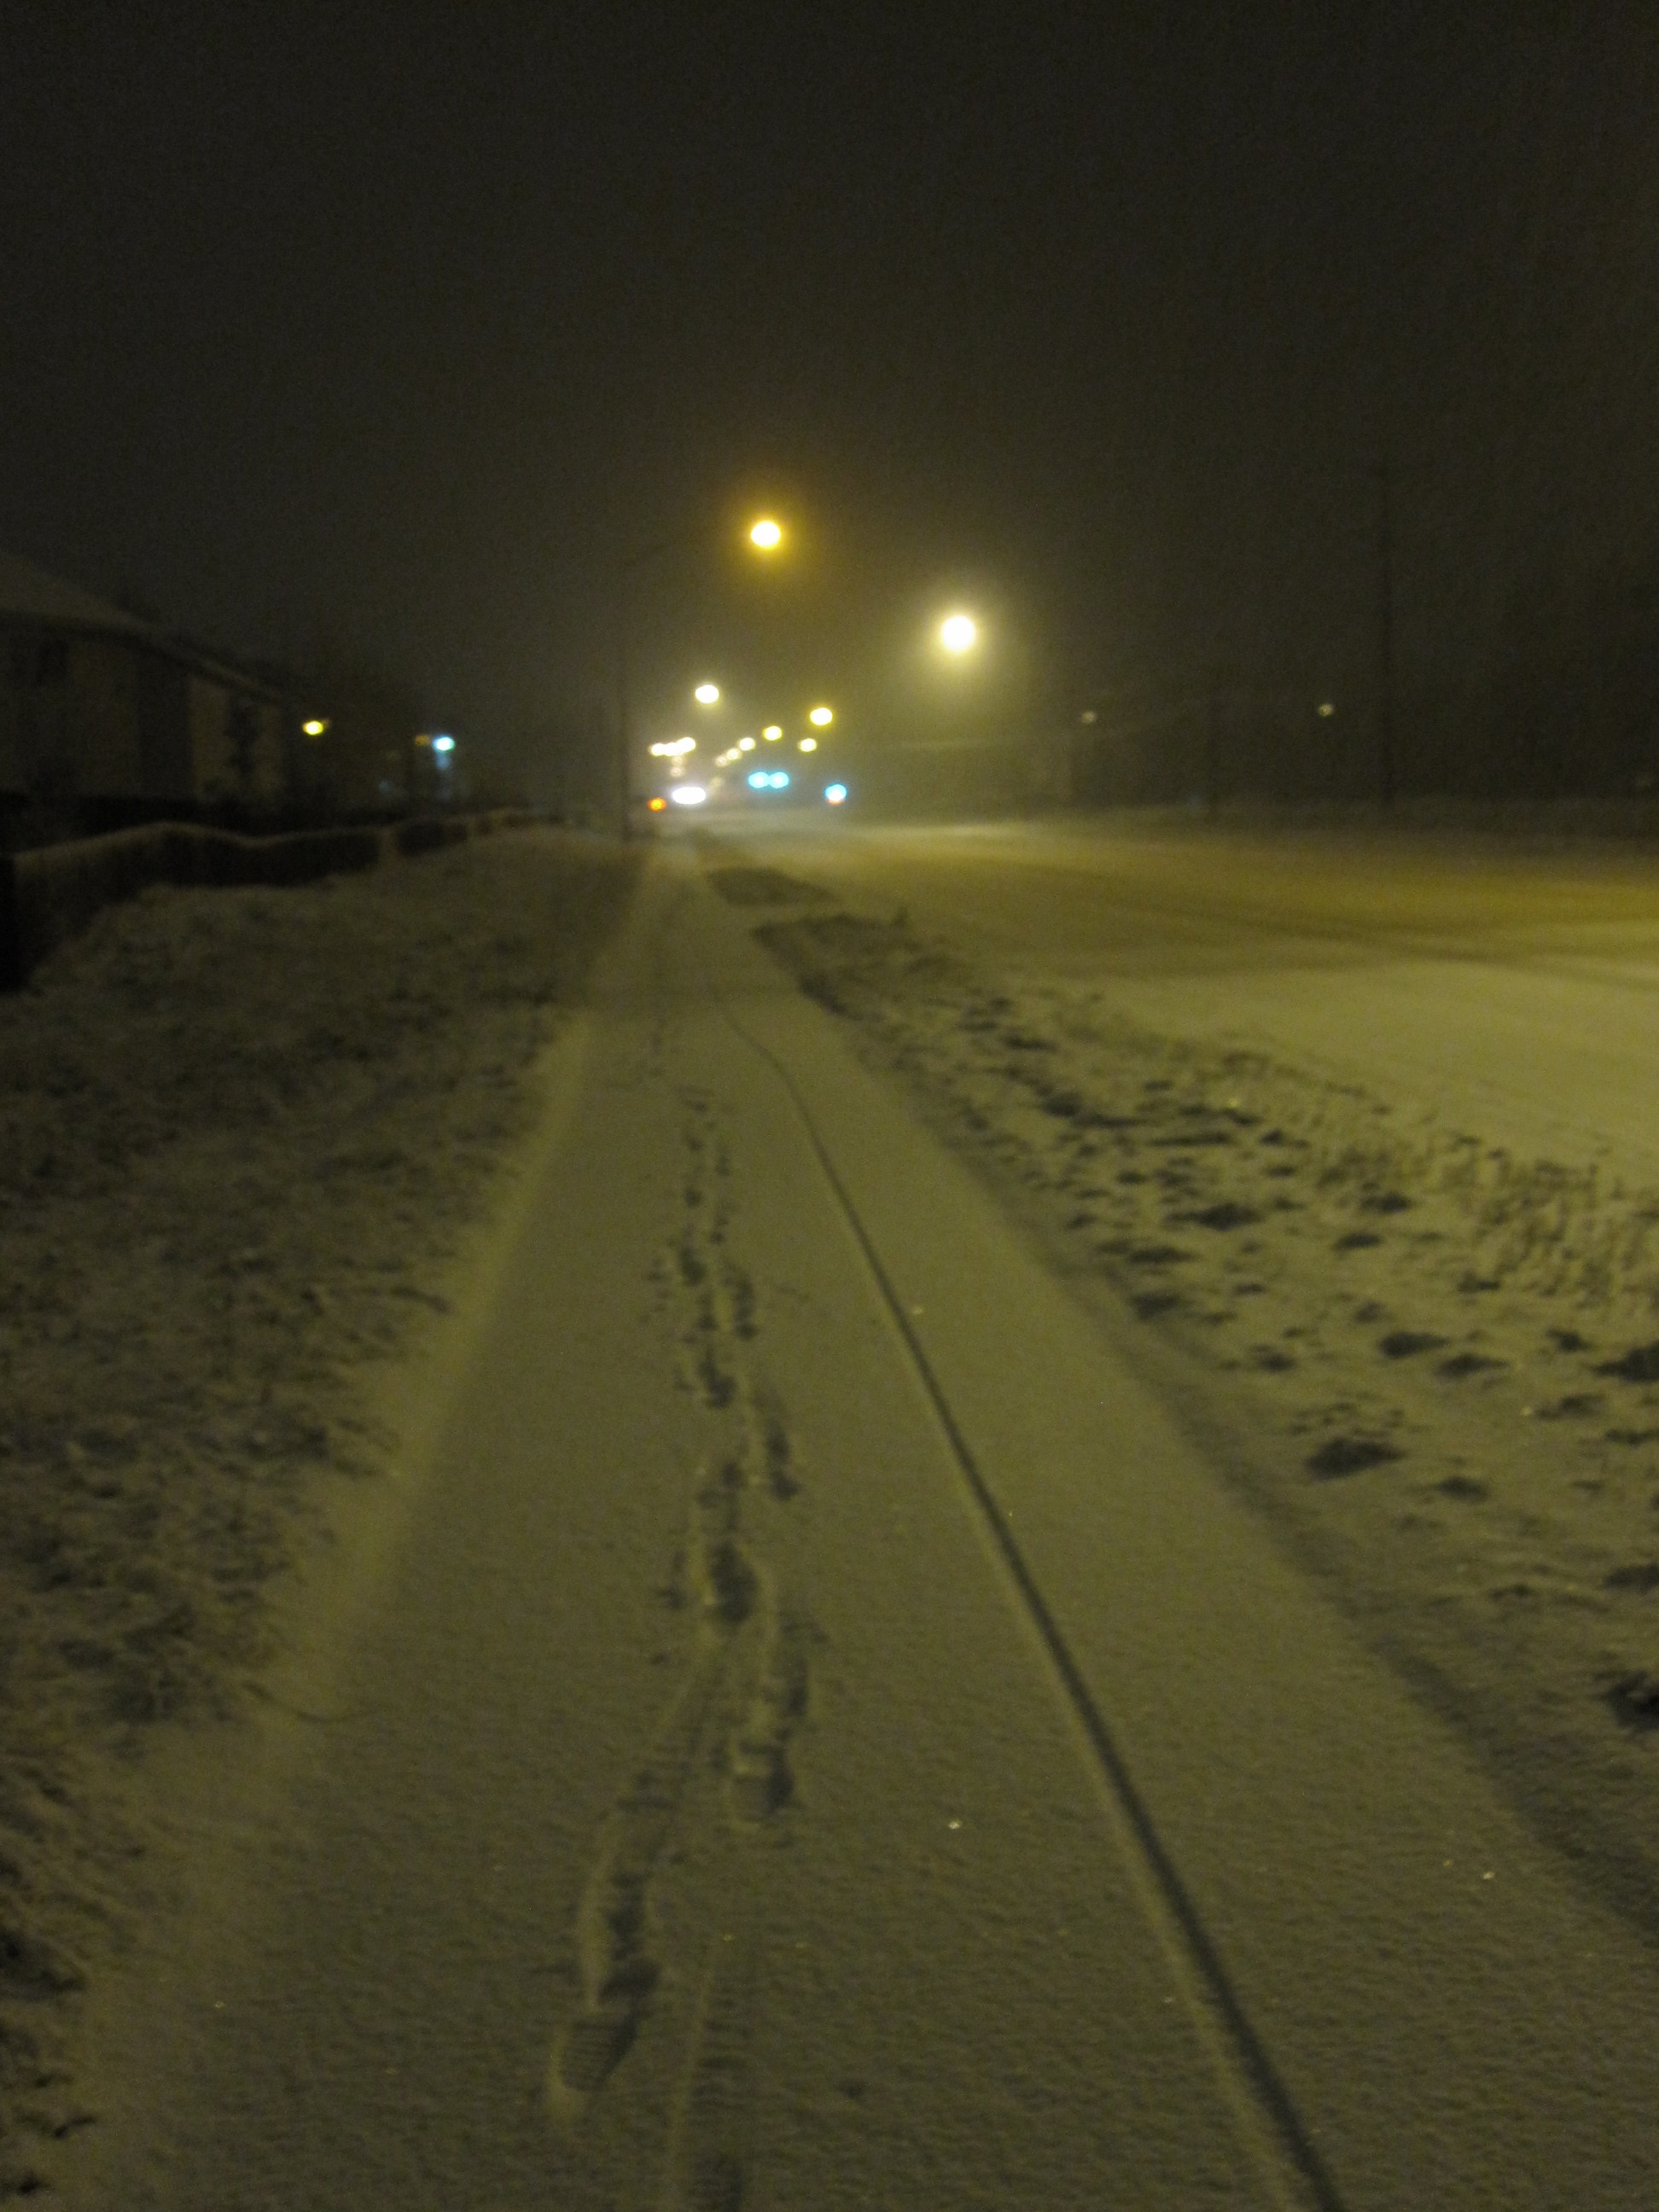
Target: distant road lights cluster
(671, 748)
(958, 633)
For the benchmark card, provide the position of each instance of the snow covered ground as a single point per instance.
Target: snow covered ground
(241, 1133)
(249, 1138)
(1432, 1360)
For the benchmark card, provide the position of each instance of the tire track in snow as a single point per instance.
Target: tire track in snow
(1287, 2163)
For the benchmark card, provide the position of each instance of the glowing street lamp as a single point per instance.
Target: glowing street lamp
(771, 733)
(765, 535)
(706, 693)
(809, 744)
(820, 718)
(315, 727)
(958, 633)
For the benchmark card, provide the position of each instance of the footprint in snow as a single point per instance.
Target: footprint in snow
(1270, 1359)
(1642, 1575)
(1227, 1213)
(1406, 1343)
(1465, 1487)
(1639, 1364)
(1350, 1455)
(1635, 1700)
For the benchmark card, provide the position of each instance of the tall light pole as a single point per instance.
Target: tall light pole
(1385, 668)
(765, 535)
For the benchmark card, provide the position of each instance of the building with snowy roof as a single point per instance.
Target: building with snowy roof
(106, 717)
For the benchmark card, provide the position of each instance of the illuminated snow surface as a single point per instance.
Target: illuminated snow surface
(710, 1671)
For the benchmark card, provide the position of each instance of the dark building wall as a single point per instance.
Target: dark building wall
(36, 756)
(103, 732)
(119, 722)
(164, 727)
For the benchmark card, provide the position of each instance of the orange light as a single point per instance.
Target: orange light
(659, 806)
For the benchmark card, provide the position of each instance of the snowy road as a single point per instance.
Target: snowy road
(1516, 992)
(808, 1728)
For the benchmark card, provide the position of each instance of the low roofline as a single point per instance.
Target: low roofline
(30, 598)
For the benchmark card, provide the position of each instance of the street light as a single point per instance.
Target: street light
(958, 633)
(765, 535)
(820, 718)
(772, 733)
(706, 693)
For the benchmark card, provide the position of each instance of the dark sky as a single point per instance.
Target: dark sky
(397, 322)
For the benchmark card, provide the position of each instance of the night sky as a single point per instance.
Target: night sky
(393, 326)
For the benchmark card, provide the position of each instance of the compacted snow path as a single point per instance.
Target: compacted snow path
(807, 1728)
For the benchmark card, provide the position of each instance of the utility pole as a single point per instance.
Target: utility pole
(620, 764)
(1212, 745)
(628, 566)
(1385, 669)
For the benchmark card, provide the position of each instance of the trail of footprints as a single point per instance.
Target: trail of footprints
(736, 1707)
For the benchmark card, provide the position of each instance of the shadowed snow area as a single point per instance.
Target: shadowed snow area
(240, 1133)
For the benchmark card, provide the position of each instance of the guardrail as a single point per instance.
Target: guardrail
(50, 894)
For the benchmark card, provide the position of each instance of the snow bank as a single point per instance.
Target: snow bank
(240, 1130)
